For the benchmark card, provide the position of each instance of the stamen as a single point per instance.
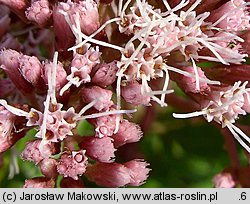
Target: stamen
(118, 96)
(120, 7)
(190, 115)
(235, 61)
(236, 136)
(193, 7)
(115, 112)
(207, 44)
(187, 74)
(52, 86)
(238, 130)
(165, 86)
(15, 111)
(138, 49)
(166, 5)
(196, 74)
(43, 128)
(182, 4)
(228, 14)
(147, 90)
(142, 11)
(65, 88)
(98, 42)
(85, 108)
(124, 8)
(232, 99)
(94, 34)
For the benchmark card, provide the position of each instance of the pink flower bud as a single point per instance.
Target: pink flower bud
(105, 126)
(91, 58)
(105, 75)
(40, 182)
(82, 65)
(103, 97)
(32, 151)
(139, 171)
(128, 133)
(108, 174)
(100, 149)
(31, 70)
(238, 19)
(72, 165)
(224, 180)
(60, 75)
(188, 84)
(88, 13)
(71, 183)
(70, 143)
(132, 93)
(9, 61)
(39, 12)
(48, 168)
(64, 37)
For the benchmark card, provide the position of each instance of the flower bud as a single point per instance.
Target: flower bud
(60, 75)
(104, 126)
(100, 149)
(132, 93)
(103, 97)
(238, 19)
(64, 37)
(110, 175)
(32, 152)
(40, 182)
(48, 168)
(139, 171)
(224, 180)
(39, 12)
(88, 13)
(31, 70)
(9, 60)
(105, 75)
(188, 84)
(128, 133)
(72, 165)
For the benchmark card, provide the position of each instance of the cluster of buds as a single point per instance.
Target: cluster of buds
(67, 63)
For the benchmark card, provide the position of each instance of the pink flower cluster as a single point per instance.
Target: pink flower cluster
(67, 61)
